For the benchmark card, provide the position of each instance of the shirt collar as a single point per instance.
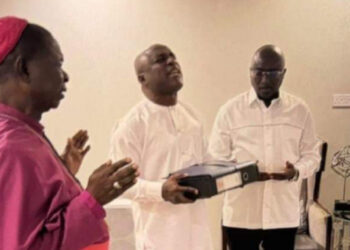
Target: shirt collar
(16, 114)
(252, 98)
(157, 106)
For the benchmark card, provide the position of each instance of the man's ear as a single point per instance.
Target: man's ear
(21, 69)
(284, 73)
(141, 78)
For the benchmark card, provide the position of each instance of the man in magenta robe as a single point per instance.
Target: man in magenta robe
(42, 205)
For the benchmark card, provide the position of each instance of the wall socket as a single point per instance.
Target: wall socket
(341, 100)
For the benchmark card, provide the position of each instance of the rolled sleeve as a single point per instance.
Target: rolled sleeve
(310, 158)
(125, 143)
(220, 145)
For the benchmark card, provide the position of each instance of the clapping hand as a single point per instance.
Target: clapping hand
(75, 151)
(110, 180)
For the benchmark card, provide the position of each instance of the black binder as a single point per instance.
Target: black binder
(215, 177)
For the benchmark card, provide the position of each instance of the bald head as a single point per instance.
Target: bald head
(158, 72)
(267, 72)
(269, 56)
(142, 61)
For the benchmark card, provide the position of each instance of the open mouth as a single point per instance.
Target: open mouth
(172, 74)
(175, 71)
(175, 75)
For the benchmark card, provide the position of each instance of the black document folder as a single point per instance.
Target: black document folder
(215, 177)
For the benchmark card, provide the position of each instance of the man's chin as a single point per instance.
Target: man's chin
(175, 90)
(265, 97)
(266, 94)
(180, 85)
(174, 87)
(56, 104)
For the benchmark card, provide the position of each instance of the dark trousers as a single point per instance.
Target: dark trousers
(274, 239)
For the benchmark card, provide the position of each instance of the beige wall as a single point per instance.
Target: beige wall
(214, 41)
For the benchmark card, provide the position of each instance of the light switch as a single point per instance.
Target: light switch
(341, 100)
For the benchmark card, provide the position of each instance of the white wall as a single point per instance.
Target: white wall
(214, 41)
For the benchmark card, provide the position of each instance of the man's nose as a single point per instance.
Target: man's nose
(264, 80)
(65, 76)
(171, 60)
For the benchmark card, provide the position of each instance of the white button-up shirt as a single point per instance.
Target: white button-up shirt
(245, 129)
(162, 140)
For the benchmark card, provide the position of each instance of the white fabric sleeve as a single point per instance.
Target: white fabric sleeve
(309, 149)
(125, 142)
(205, 149)
(220, 144)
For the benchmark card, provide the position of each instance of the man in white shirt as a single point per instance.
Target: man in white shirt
(276, 129)
(163, 135)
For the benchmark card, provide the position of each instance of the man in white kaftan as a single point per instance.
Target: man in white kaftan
(163, 135)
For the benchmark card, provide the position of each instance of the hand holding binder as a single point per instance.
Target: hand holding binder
(211, 178)
(175, 193)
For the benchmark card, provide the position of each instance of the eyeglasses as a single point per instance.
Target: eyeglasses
(267, 73)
